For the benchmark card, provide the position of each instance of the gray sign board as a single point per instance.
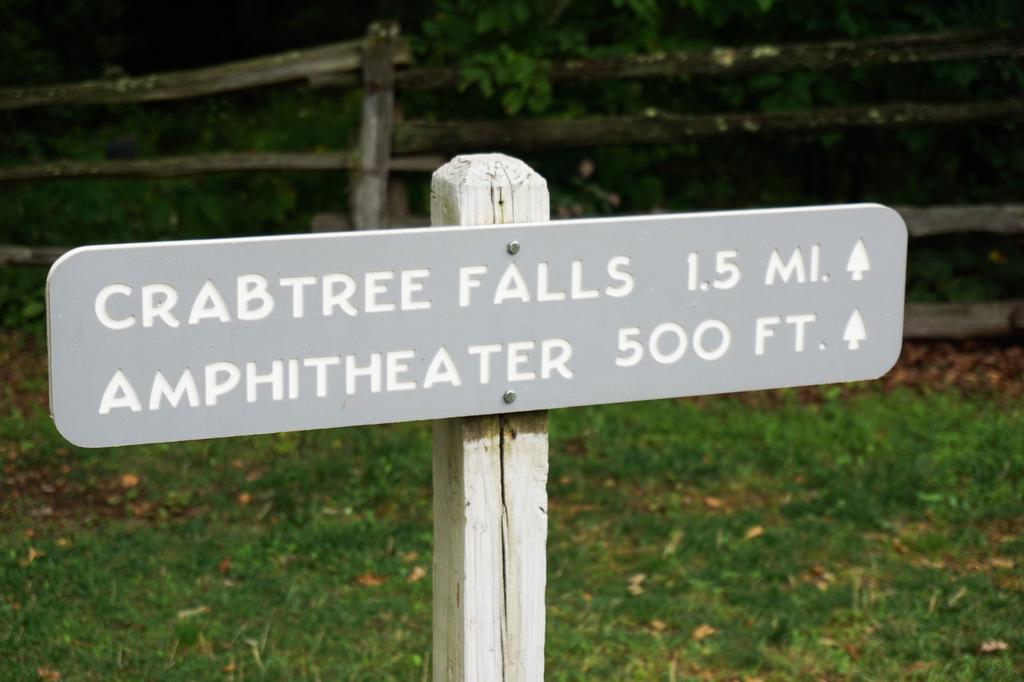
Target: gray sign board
(197, 339)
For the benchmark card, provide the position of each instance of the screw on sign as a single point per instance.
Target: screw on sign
(494, 312)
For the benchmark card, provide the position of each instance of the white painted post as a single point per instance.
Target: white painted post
(490, 477)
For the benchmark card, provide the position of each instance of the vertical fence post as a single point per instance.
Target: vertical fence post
(490, 478)
(370, 194)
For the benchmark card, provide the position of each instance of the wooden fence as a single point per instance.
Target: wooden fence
(387, 146)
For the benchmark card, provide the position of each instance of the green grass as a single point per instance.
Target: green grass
(891, 546)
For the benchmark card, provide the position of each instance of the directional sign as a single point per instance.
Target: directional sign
(182, 340)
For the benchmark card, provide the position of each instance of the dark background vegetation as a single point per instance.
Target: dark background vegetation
(869, 531)
(503, 50)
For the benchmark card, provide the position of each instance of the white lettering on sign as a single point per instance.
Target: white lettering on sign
(442, 370)
(186, 387)
(157, 302)
(339, 299)
(256, 299)
(398, 363)
(375, 286)
(388, 372)
(411, 284)
(209, 305)
(390, 291)
(700, 346)
(667, 343)
(794, 267)
(344, 329)
(726, 268)
(119, 393)
(254, 303)
(617, 271)
(215, 386)
(100, 307)
(298, 285)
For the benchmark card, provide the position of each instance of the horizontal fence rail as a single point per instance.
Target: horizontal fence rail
(337, 65)
(963, 320)
(906, 49)
(657, 127)
(38, 256)
(927, 221)
(417, 137)
(204, 164)
(922, 221)
(295, 65)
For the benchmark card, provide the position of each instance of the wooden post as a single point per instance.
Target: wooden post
(490, 478)
(370, 194)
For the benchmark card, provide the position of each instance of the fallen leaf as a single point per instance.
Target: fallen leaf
(370, 580)
(957, 596)
(635, 584)
(819, 576)
(185, 614)
(925, 562)
(409, 557)
(32, 555)
(673, 543)
(713, 502)
(47, 674)
(753, 532)
(1001, 562)
(702, 632)
(224, 567)
(416, 574)
(658, 625)
(129, 481)
(243, 498)
(229, 668)
(993, 646)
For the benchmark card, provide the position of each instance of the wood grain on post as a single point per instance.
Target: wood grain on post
(490, 478)
(370, 195)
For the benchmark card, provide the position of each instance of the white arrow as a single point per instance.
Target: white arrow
(858, 263)
(855, 332)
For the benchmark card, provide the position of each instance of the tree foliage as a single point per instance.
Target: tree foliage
(504, 52)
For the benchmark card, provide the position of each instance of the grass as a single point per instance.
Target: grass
(832, 534)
